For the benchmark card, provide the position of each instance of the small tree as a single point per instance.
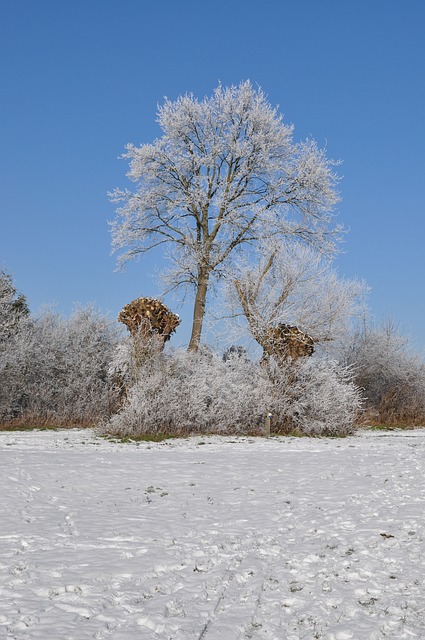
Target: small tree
(287, 290)
(225, 173)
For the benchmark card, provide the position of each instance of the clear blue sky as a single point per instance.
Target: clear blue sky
(80, 79)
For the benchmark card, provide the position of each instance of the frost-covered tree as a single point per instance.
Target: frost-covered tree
(13, 307)
(225, 173)
(291, 284)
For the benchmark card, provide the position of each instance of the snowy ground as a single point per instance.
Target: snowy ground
(214, 538)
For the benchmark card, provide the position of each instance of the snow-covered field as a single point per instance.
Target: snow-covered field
(212, 538)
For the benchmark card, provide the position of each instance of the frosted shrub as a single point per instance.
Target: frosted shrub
(391, 376)
(182, 393)
(190, 392)
(56, 371)
(122, 371)
(132, 356)
(314, 397)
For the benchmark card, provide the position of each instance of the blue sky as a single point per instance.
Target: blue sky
(80, 79)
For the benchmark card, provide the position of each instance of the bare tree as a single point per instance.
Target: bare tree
(226, 172)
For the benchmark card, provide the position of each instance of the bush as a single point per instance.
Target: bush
(55, 371)
(182, 393)
(314, 397)
(186, 392)
(391, 376)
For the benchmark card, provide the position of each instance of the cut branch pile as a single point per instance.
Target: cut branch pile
(149, 317)
(286, 341)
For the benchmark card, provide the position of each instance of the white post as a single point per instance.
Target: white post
(267, 424)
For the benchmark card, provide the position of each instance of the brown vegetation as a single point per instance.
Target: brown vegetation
(149, 317)
(286, 341)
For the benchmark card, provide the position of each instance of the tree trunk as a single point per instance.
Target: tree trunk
(198, 312)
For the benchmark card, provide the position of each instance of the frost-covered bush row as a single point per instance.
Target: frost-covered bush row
(391, 376)
(81, 371)
(184, 392)
(55, 370)
(181, 393)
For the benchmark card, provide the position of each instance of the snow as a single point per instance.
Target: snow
(209, 538)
